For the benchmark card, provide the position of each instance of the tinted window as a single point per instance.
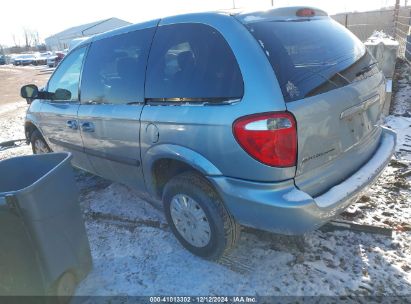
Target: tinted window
(192, 61)
(115, 67)
(65, 80)
(311, 57)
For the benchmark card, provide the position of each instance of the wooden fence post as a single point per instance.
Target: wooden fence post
(396, 13)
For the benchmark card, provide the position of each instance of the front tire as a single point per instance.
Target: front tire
(38, 144)
(63, 289)
(198, 218)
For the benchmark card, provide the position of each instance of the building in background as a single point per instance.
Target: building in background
(61, 41)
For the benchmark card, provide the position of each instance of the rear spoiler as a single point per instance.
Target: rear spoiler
(281, 14)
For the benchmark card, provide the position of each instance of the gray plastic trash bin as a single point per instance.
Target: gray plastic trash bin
(44, 249)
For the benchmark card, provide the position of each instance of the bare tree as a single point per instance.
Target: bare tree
(16, 40)
(28, 35)
(35, 38)
(31, 39)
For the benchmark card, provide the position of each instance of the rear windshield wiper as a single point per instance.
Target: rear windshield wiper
(366, 68)
(325, 86)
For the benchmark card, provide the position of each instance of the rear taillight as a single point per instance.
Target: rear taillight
(271, 138)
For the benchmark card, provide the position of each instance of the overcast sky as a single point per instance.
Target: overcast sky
(52, 16)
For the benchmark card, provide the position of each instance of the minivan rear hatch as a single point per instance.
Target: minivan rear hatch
(333, 87)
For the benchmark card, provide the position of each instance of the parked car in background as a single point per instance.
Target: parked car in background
(2, 59)
(53, 60)
(24, 59)
(266, 119)
(41, 58)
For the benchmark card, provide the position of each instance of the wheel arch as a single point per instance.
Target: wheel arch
(29, 128)
(163, 162)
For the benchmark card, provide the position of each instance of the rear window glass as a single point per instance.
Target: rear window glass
(312, 57)
(192, 62)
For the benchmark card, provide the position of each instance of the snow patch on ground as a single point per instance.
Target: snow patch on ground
(402, 126)
(12, 127)
(401, 104)
(15, 106)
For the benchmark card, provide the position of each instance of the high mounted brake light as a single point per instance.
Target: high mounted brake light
(305, 12)
(270, 138)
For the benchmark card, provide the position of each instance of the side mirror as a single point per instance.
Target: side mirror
(62, 94)
(29, 92)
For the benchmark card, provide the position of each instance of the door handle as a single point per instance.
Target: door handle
(87, 126)
(72, 124)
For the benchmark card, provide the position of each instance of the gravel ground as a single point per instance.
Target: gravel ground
(135, 253)
(14, 77)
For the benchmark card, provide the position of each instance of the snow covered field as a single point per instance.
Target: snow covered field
(135, 253)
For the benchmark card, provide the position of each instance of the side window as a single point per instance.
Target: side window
(65, 81)
(192, 61)
(115, 67)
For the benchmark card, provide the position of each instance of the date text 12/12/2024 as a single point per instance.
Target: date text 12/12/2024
(204, 299)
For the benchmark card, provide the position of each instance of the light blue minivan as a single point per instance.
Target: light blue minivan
(264, 119)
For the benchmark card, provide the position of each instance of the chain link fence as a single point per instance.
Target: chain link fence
(363, 24)
(402, 32)
(394, 20)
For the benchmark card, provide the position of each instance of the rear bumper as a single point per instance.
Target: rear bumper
(283, 208)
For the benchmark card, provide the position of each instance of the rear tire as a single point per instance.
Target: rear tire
(38, 144)
(198, 218)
